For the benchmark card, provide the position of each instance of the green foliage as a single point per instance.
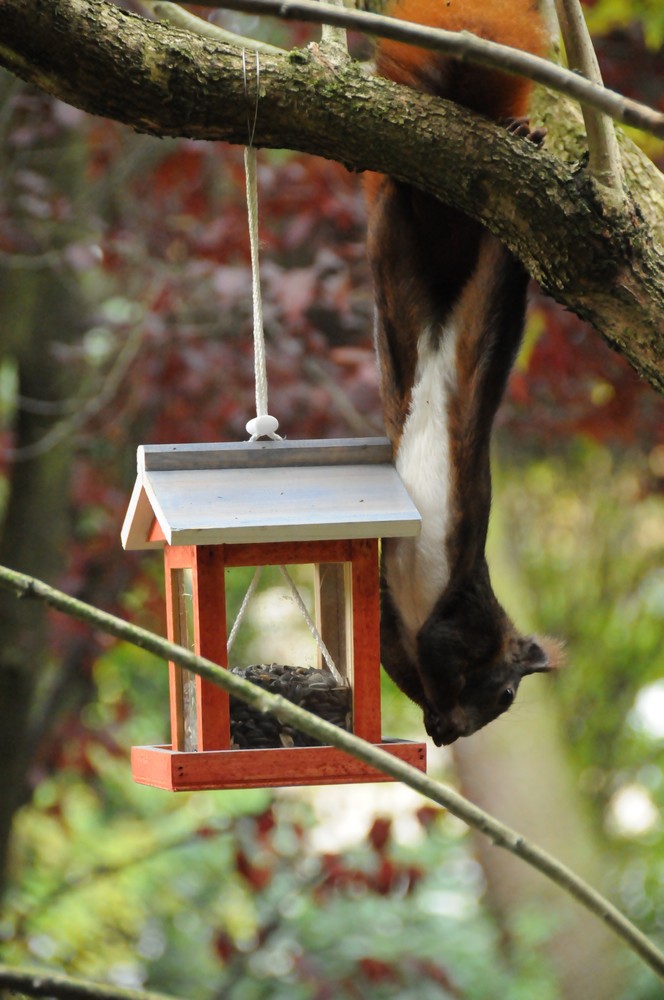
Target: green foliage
(107, 869)
(227, 893)
(607, 15)
(589, 544)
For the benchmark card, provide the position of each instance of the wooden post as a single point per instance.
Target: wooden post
(213, 712)
(177, 561)
(331, 584)
(366, 640)
(200, 718)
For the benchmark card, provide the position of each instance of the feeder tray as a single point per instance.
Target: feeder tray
(314, 690)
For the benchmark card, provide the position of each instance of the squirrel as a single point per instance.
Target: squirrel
(450, 307)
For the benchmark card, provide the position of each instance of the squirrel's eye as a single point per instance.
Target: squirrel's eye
(506, 698)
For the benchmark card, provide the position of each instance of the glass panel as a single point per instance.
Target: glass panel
(276, 650)
(273, 628)
(333, 609)
(184, 627)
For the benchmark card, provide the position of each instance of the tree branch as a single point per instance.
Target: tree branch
(604, 162)
(164, 10)
(463, 46)
(37, 983)
(500, 834)
(599, 262)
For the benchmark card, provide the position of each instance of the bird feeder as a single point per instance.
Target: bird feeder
(211, 507)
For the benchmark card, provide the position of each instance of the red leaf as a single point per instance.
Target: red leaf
(224, 946)
(378, 971)
(379, 834)
(257, 877)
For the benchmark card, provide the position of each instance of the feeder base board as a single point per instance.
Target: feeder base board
(175, 771)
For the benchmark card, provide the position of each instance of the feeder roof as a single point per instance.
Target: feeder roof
(266, 491)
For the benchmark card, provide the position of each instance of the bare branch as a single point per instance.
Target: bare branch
(335, 38)
(605, 163)
(80, 411)
(500, 834)
(164, 10)
(38, 983)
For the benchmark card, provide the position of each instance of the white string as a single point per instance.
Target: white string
(251, 589)
(243, 607)
(263, 425)
(329, 662)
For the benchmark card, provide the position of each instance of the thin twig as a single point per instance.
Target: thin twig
(463, 46)
(163, 10)
(334, 39)
(604, 164)
(500, 834)
(68, 886)
(361, 424)
(38, 983)
(88, 408)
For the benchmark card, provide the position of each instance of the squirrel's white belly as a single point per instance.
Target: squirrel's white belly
(417, 569)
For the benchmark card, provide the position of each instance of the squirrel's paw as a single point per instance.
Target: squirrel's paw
(521, 128)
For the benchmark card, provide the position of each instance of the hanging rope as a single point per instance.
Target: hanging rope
(251, 589)
(262, 425)
(243, 607)
(329, 662)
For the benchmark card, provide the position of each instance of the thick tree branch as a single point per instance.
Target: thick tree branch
(463, 46)
(500, 834)
(599, 262)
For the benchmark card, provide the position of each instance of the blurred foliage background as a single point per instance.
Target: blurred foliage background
(125, 306)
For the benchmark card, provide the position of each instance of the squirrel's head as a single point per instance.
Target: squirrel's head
(471, 668)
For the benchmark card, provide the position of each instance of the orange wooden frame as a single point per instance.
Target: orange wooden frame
(214, 764)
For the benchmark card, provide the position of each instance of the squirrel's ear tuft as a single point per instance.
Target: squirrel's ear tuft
(540, 656)
(554, 650)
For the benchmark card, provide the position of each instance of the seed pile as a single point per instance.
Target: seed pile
(315, 690)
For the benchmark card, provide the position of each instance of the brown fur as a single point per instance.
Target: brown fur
(431, 262)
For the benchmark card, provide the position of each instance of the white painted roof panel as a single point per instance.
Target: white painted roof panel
(208, 506)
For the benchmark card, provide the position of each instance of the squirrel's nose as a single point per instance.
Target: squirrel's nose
(445, 729)
(458, 720)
